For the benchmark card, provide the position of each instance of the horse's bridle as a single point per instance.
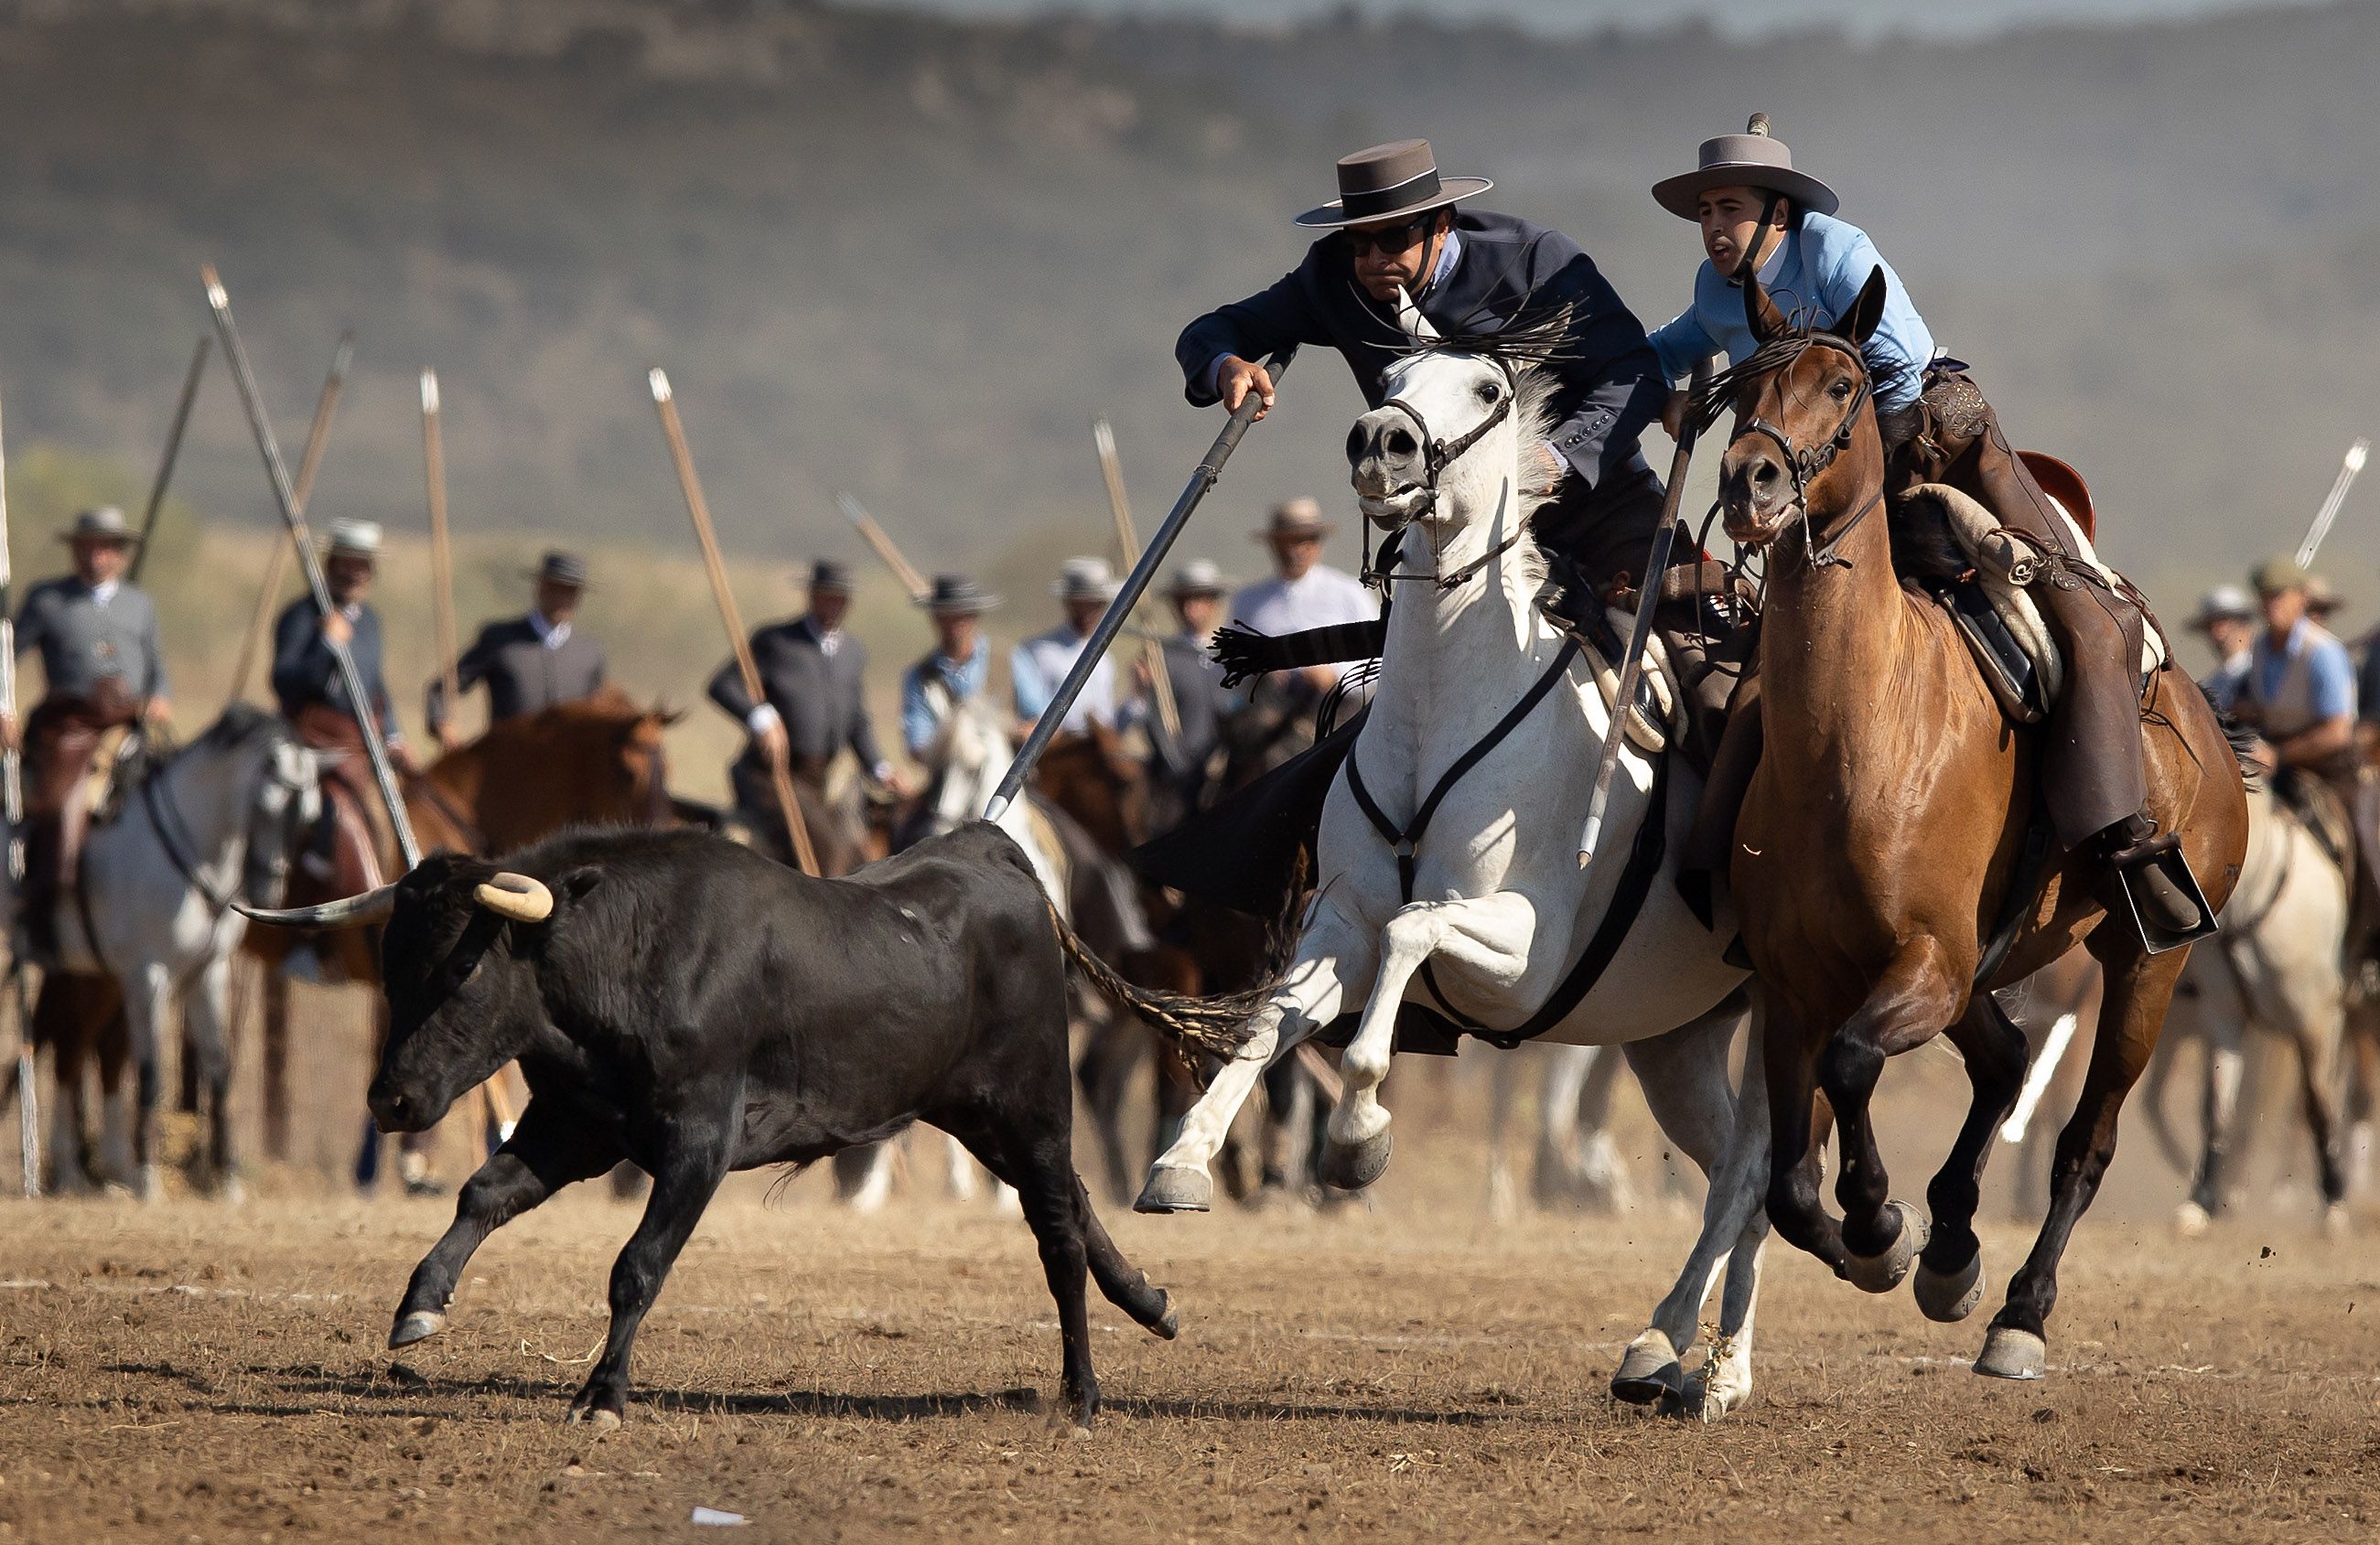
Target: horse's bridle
(1438, 454)
(1804, 466)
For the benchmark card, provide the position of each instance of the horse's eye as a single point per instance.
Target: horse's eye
(1489, 391)
(1841, 390)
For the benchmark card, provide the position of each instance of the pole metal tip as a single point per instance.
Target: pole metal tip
(658, 379)
(216, 296)
(2355, 455)
(429, 391)
(995, 810)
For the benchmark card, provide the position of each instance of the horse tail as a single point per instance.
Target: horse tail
(1218, 1025)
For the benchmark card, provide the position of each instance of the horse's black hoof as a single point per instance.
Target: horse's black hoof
(1882, 1273)
(1171, 1189)
(1168, 1325)
(1650, 1374)
(1949, 1298)
(419, 1325)
(2009, 1353)
(1354, 1166)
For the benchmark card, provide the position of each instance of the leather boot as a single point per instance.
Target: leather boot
(2141, 860)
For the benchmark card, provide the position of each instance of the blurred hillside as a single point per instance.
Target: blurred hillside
(912, 257)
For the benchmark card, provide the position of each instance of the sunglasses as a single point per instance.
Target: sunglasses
(1391, 238)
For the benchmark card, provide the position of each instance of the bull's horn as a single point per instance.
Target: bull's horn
(515, 896)
(348, 912)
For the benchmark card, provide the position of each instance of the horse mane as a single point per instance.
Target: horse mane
(1782, 353)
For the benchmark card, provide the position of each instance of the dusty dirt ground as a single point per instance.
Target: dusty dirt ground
(186, 1371)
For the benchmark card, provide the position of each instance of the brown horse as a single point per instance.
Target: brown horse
(598, 761)
(1881, 845)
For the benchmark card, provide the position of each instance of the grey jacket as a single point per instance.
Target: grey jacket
(523, 676)
(83, 641)
(820, 696)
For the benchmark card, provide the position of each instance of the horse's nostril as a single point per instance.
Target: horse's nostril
(1355, 445)
(1401, 442)
(1763, 474)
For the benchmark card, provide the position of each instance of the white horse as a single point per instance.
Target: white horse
(219, 820)
(1495, 907)
(2276, 967)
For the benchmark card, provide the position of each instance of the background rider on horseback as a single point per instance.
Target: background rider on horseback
(1937, 429)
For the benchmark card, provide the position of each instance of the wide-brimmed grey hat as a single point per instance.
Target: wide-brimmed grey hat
(2225, 603)
(104, 523)
(558, 567)
(1292, 519)
(1386, 181)
(957, 594)
(1086, 579)
(1198, 577)
(1753, 158)
(354, 539)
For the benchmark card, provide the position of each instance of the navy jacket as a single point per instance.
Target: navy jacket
(1610, 390)
(523, 676)
(820, 697)
(305, 671)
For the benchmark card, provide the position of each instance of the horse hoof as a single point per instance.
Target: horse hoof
(2009, 1353)
(1351, 1166)
(2335, 1222)
(232, 1191)
(1173, 1190)
(1169, 1324)
(2191, 1221)
(1882, 1273)
(597, 1419)
(1947, 1297)
(1650, 1373)
(419, 1325)
(150, 1188)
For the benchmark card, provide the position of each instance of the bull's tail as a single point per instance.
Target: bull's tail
(1216, 1024)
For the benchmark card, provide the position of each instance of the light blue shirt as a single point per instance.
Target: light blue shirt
(1814, 276)
(1038, 669)
(2329, 673)
(962, 678)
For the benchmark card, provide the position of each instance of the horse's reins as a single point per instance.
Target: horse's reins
(1804, 466)
(1438, 454)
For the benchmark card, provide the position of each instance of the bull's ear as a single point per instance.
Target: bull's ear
(573, 884)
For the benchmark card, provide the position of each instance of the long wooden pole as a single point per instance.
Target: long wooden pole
(293, 518)
(1161, 679)
(903, 570)
(697, 511)
(165, 477)
(441, 552)
(276, 566)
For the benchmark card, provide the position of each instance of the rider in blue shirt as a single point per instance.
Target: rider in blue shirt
(1748, 199)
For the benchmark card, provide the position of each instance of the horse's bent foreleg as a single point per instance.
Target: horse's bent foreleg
(1488, 934)
(1949, 1273)
(1796, 1143)
(1336, 957)
(2140, 987)
(1911, 1003)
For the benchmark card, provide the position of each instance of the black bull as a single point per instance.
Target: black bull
(683, 1003)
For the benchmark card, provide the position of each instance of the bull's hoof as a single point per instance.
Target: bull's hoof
(1650, 1374)
(1169, 1324)
(419, 1325)
(598, 1419)
(1882, 1273)
(2009, 1353)
(1171, 1189)
(1947, 1297)
(2191, 1221)
(1351, 1166)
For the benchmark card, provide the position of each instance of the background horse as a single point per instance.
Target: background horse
(1486, 712)
(1883, 837)
(153, 919)
(599, 761)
